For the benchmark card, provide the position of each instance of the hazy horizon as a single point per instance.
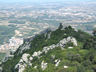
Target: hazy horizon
(38, 1)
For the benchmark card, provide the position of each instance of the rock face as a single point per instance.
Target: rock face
(36, 54)
(61, 44)
(65, 66)
(31, 58)
(0, 69)
(23, 63)
(57, 61)
(49, 35)
(24, 47)
(66, 40)
(70, 47)
(43, 65)
(26, 59)
(35, 67)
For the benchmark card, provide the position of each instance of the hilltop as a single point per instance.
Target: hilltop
(63, 50)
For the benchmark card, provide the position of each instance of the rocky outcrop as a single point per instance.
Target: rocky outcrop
(26, 45)
(43, 65)
(57, 61)
(23, 47)
(61, 44)
(65, 67)
(23, 63)
(36, 54)
(1, 69)
(26, 59)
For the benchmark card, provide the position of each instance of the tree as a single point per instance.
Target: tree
(60, 26)
(90, 43)
(80, 68)
(94, 32)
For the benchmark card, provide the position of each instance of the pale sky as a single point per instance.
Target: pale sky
(41, 0)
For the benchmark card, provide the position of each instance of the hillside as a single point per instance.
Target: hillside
(62, 50)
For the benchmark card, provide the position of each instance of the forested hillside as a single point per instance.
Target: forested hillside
(62, 50)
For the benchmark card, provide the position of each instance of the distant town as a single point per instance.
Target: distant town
(13, 44)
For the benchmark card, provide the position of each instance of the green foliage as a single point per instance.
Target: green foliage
(90, 43)
(79, 59)
(81, 68)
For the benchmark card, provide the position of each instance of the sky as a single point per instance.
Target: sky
(41, 0)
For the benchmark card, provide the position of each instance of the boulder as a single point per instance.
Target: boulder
(31, 58)
(35, 67)
(65, 66)
(25, 57)
(36, 54)
(57, 61)
(70, 47)
(23, 62)
(43, 65)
